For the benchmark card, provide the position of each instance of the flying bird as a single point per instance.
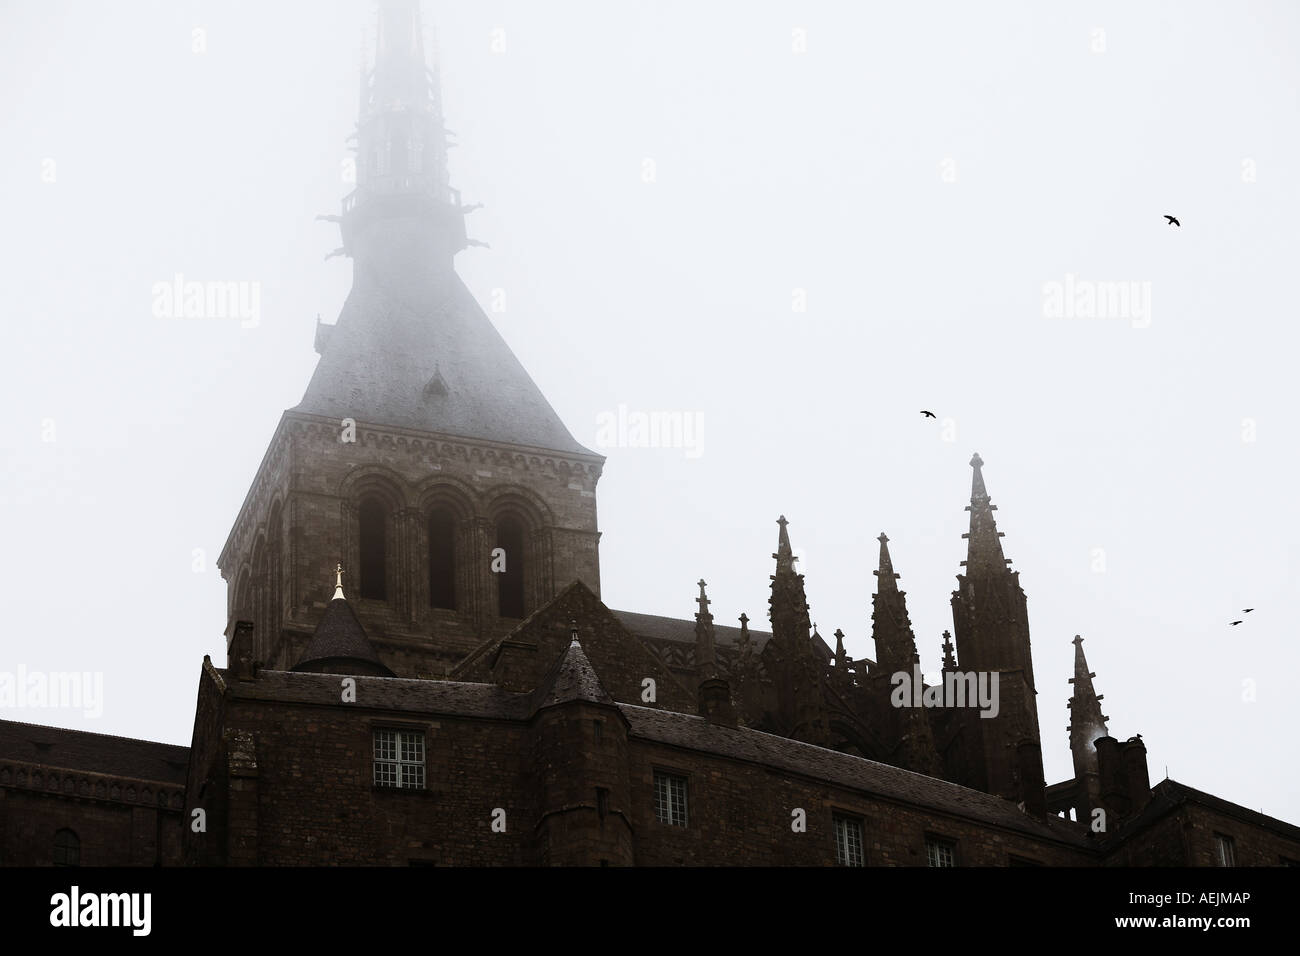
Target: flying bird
(1234, 623)
(928, 414)
(1247, 610)
(1174, 222)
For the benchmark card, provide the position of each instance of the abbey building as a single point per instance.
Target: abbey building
(419, 668)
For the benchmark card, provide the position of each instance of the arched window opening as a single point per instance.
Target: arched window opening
(510, 582)
(67, 849)
(373, 540)
(442, 560)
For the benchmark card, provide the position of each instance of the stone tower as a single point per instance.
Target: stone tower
(991, 622)
(422, 457)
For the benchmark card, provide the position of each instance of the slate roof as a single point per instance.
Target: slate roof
(453, 698)
(655, 627)
(419, 352)
(93, 753)
(1170, 794)
(857, 773)
(338, 637)
(573, 678)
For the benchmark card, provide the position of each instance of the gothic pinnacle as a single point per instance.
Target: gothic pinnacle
(784, 553)
(886, 577)
(977, 489)
(338, 584)
(1087, 722)
(1082, 679)
(400, 78)
(890, 628)
(984, 547)
(703, 601)
(705, 657)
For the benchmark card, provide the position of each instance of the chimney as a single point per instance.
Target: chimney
(714, 702)
(1114, 782)
(1134, 756)
(239, 655)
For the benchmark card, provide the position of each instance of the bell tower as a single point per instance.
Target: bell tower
(422, 457)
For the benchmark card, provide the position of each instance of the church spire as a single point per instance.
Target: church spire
(400, 78)
(798, 675)
(788, 607)
(991, 624)
(896, 654)
(1087, 722)
(412, 348)
(784, 553)
(983, 541)
(403, 203)
(890, 627)
(886, 576)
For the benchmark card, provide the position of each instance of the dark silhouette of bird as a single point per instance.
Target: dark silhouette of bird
(1174, 222)
(928, 414)
(1234, 623)
(1247, 610)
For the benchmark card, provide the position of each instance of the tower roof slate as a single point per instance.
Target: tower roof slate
(93, 753)
(415, 350)
(572, 678)
(339, 637)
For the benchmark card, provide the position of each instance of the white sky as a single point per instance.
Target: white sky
(776, 171)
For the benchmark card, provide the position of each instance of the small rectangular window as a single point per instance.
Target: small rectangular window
(940, 852)
(399, 759)
(602, 801)
(67, 848)
(848, 840)
(1224, 853)
(598, 728)
(670, 799)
